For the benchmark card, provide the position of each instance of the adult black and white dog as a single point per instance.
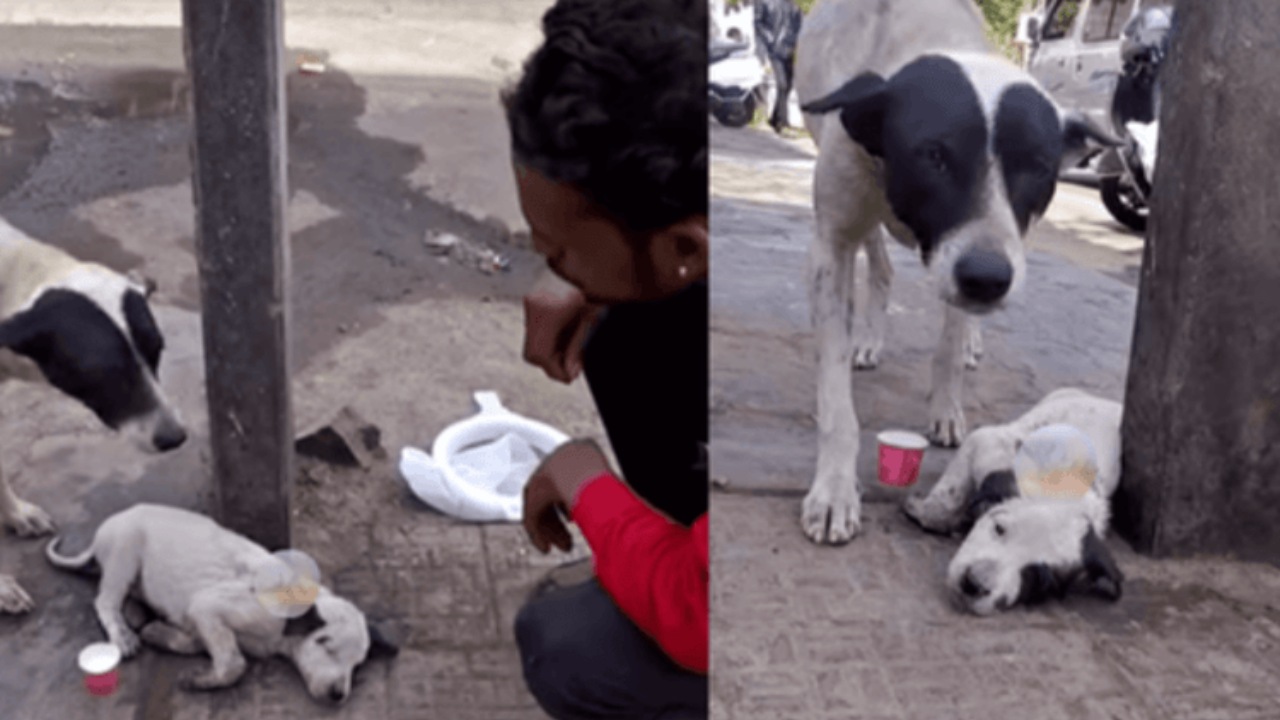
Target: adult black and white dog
(1020, 548)
(91, 333)
(925, 134)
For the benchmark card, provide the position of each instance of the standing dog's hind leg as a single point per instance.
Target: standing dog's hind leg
(946, 411)
(832, 510)
(869, 333)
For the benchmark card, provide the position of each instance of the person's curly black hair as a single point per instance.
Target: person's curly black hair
(614, 103)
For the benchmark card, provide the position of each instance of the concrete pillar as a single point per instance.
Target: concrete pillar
(1202, 405)
(234, 54)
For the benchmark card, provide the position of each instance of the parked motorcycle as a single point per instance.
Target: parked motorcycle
(736, 82)
(1126, 172)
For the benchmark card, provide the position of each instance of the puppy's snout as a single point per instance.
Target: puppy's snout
(971, 587)
(168, 436)
(983, 276)
(337, 694)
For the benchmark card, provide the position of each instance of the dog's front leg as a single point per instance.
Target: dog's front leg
(973, 350)
(219, 640)
(942, 510)
(24, 518)
(946, 411)
(869, 333)
(832, 510)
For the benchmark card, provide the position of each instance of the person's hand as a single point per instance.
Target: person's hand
(556, 320)
(552, 488)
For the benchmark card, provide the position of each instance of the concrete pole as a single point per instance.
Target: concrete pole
(1202, 405)
(234, 56)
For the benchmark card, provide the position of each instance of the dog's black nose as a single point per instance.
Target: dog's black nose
(337, 694)
(971, 588)
(169, 436)
(983, 275)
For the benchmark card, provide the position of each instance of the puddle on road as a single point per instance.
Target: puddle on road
(24, 133)
(27, 110)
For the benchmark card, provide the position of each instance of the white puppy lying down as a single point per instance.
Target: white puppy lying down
(197, 576)
(1023, 550)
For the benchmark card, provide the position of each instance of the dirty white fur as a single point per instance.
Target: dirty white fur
(840, 40)
(1022, 531)
(27, 269)
(198, 576)
(1018, 533)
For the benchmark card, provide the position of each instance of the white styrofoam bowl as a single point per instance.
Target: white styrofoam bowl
(490, 424)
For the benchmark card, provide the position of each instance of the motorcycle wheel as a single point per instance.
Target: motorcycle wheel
(734, 114)
(1123, 204)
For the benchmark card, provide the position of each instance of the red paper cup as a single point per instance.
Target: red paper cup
(901, 453)
(100, 664)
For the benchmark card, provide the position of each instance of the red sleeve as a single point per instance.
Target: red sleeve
(655, 569)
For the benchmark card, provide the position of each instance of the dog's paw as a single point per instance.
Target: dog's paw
(831, 517)
(947, 424)
(28, 520)
(127, 640)
(866, 350)
(920, 511)
(13, 599)
(914, 508)
(211, 679)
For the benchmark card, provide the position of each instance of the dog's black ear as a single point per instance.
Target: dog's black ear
(995, 488)
(380, 645)
(304, 624)
(1100, 567)
(1040, 583)
(1077, 132)
(20, 329)
(861, 103)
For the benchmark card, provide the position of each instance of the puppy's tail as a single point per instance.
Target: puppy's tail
(83, 563)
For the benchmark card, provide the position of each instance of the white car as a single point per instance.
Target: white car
(1074, 50)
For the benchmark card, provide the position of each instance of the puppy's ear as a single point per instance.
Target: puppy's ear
(379, 645)
(1078, 131)
(995, 488)
(304, 624)
(861, 103)
(1040, 583)
(1100, 567)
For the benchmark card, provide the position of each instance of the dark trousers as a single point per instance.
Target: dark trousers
(646, 365)
(584, 660)
(783, 71)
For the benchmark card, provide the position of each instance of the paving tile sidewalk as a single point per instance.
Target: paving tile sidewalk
(864, 632)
